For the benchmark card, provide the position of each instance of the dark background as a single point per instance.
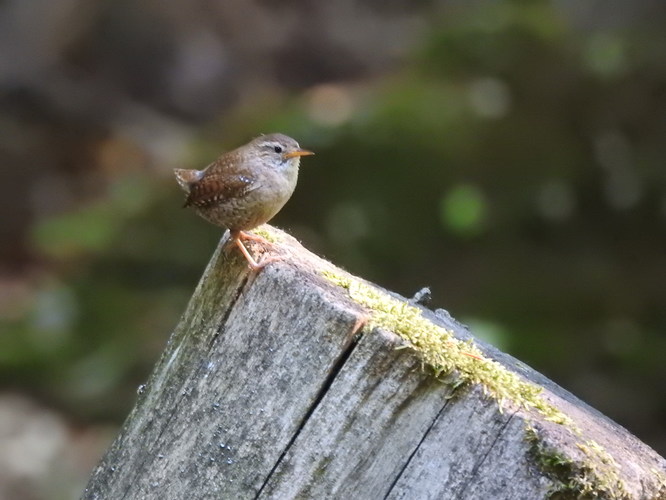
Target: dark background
(509, 154)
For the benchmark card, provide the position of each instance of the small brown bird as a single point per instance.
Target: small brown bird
(246, 187)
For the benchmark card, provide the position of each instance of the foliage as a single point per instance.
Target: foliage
(514, 163)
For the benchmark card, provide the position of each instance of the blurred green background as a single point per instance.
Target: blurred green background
(508, 154)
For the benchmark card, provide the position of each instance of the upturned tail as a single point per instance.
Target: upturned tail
(187, 177)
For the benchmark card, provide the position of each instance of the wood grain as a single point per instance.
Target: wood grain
(267, 389)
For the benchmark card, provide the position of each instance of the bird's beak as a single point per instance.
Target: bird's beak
(298, 152)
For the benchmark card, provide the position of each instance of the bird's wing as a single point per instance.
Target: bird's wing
(215, 188)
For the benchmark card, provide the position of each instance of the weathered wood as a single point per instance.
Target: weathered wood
(268, 389)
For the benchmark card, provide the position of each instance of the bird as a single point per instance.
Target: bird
(245, 187)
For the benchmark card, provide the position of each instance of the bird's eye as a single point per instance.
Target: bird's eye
(277, 149)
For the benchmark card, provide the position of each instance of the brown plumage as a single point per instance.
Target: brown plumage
(246, 187)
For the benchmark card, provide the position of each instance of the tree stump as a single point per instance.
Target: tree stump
(301, 381)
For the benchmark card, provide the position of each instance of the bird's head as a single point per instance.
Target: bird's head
(279, 150)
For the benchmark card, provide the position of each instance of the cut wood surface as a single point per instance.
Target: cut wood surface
(279, 384)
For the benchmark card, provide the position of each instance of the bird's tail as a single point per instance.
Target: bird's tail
(187, 177)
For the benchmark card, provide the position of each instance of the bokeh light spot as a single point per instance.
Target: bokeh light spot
(463, 209)
(330, 105)
(489, 98)
(606, 55)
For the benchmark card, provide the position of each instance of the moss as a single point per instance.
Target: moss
(268, 233)
(461, 363)
(595, 477)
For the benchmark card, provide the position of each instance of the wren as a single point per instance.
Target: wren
(246, 187)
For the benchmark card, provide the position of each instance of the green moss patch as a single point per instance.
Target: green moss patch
(267, 233)
(595, 477)
(439, 349)
(461, 363)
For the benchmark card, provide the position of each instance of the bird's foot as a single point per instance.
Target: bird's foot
(238, 236)
(242, 235)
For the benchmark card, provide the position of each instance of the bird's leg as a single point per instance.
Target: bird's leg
(253, 264)
(253, 237)
(237, 236)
